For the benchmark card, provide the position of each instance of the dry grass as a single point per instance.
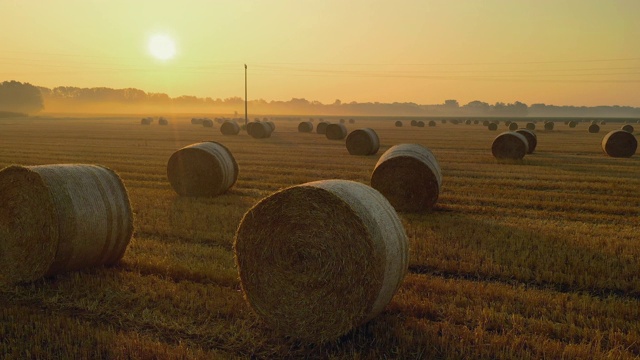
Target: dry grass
(527, 260)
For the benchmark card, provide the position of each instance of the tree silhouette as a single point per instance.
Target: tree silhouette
(18, 97)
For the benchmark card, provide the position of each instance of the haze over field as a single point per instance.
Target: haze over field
(555, 52)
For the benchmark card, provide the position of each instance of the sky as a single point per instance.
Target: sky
(560, 52)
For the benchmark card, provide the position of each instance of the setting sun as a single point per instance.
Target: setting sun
(162, 47)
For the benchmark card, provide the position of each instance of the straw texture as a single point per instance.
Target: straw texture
(619, 143)
(230, 128)
(510, 145)
(305, 126)
(336, 131)
(363, 142)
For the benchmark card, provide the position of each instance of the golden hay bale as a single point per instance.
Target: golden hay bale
(510, 145)
(398, 123)
(260, 130)
(409, 176)
(230, 128)
(363, 142)
(317, 280)
(594, 128)
(549, 125)
(59, 218)
(619, 143)
(336, 131)
(531, 126)
(202, 169)
(146, 121)
(272, 125)
(305, 126)
(513, 126)
(628, 128)
(492, 126)
(532, 139)
(207, 122)
(432, 123)
(163, 121)
(321, 128)
(197, 121)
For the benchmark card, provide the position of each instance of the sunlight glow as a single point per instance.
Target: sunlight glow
(162, 47)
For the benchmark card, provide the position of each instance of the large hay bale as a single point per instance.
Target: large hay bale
(513, 126)
(272, 125)
(628, 128)
(532, 139)
(531, 126)
(619, 143)
(163, 121)
(398, 123)
(549, 125)
(146, 121)
(319, 259)
(409, 176)
(336, 131)
(59, 218)
(305, 126)
(230, 128)
(207, 122)
(260, 130)
(594, 128)
(202, 169)
(492, 126)
(363, 142)
(321, 128)
(510, 145)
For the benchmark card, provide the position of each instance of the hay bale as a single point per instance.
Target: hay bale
(513, 126)
(507, 123)
(414, 123)
(363, 142)
(230, 128)
(532, 139)
(352, 121)
(202, 169)
(492, 126)
(336, 131)
(260, 130)
(476, 122)
(163, 121)
(409, 176)
(619, 143)
(398, 123)
(628, 128)
(420, 123)
(321, 128)
(59, 218)
(342, 121)
(207, 122)
(572, 124)
(486, 123)
(594, 128)
(549, 125)
(432, 123)
(317, 280)
(272, 125)
(146, 121)
(531, 126)
(305, 126)
(510, 145)
(197, 121)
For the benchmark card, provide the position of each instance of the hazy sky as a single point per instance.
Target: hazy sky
(563, 52)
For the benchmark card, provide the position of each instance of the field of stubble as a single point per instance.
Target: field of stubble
(533, 259)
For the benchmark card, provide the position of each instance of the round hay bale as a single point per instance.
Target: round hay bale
(467, 122)
(398, 123)
(272, 125)
(260, 130)
(163, 121)
(59, 218)
(230, 128)
(628, 128)
(420, 123)
(594, 128)
(432, 123)
(336, 131)
(207, 122)
(197, 121)
(507, 123)
(352, 121)
(443, 121)
(321, 128)
(305, 126)
(619, 143)
(492, 126)
(317, 280)
(363, 142)
(532, 139)
(531, 126)
(549, 125)
(341, 121)
(202, 169)
(513, 126)
(409, 176)
(414, 123)
(510, 145)
(476, 122)
(146, 121)
(572, 124)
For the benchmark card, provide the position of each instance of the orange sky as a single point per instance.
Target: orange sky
(564, 52)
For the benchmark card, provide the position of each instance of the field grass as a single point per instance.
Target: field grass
(532, 259)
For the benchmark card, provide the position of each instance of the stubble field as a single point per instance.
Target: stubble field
(531, 259)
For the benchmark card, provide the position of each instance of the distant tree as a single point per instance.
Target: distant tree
(453, 104)
(20, 97)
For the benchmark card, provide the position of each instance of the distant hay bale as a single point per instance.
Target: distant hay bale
(317, 280)
(510, 145)
(336, 131)
(59, 218)
(409, 176)
(476, 122)
(628, 128)
(619, 143)
(163, 121)
(197, 121)
(414, 123)
(341, 121)
(492, 126)
(532, 139)
(146, 121)
(207, 122)
(305, 126)
(202, 169)
(486, 123)
(467, 122)
(321, 128)
(420, 123)
(507, 123)
(594, 128)
(260, 130)
(549, 125)
(352, 121)
(531, 126)
(572, 124)
(443, 121)
(513, 126)
(603, 123)
(398, 123)
(363, 142)
(432, 123)
(594, 122)
(230, 128)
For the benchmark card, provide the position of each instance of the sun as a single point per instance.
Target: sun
(162, 47)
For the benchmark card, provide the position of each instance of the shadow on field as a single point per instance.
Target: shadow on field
(457, 245)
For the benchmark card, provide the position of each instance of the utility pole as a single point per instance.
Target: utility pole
(246, 117)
